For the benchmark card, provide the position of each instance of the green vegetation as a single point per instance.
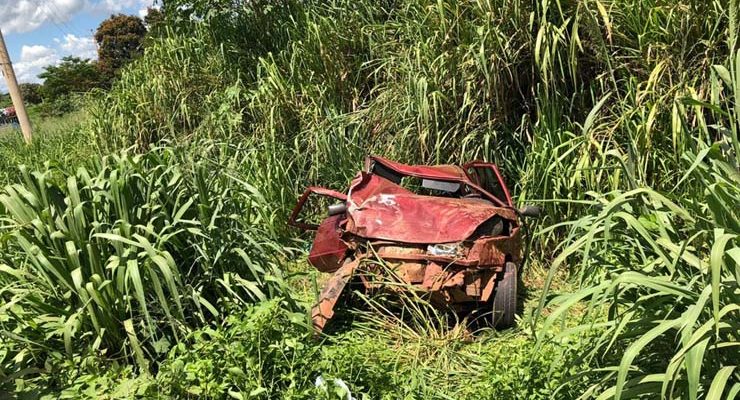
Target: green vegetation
(5, 100)
(154, 260)
(665, 272)
(31, 93)
(65, 83)
(59, 141)
(120, 39)
(108, 246)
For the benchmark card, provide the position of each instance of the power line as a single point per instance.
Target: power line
(59, 27)
(70, 24)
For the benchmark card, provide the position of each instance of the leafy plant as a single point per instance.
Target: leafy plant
(264, 352)
(123, 257)
(665, 270)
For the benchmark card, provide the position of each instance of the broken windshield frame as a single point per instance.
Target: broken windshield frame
(489, 178)
(465, 186)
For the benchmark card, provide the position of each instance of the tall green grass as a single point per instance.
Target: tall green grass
(183, 88)
(659, 277)
(660, 270)
(59, 141)
(121, 258)
(561, 94)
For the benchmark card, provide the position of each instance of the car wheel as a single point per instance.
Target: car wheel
(504, 300)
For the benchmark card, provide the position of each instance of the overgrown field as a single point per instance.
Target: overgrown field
(150, 257)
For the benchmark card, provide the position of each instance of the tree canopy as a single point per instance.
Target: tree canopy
(31, 92)
(71, 75)
(120, 39)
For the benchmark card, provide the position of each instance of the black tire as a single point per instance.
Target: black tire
(504, 300)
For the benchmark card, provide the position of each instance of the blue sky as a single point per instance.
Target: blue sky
(42, 32)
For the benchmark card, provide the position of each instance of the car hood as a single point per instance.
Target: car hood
(380, 209)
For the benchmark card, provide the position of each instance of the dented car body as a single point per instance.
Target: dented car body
(451, 231)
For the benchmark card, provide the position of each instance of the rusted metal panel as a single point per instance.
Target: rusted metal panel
(489, 283)
(412, 218)
(366, 185)
(486, 252)
(409, 272)
(380, 209)
(324, 309)
(434, 276)
(417, 219)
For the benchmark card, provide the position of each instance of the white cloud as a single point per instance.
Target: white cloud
(20, 16)
(33, 60)
(36, 53)
(121, 6)
(83, 47)
(32, 63)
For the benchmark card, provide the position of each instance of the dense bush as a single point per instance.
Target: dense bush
(666, 266)
(182, 88)
(266, 351)
(542, 88)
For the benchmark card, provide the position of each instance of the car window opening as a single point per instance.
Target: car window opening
(430, 187)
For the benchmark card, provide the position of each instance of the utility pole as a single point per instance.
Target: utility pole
(15, 91)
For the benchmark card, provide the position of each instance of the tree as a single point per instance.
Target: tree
(5, 100)
(31, 93)
(72, 75)
(120, 40)
(154, 20)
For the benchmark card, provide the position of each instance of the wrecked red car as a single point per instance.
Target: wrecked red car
(450, 231)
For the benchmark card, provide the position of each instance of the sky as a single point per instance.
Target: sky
(41, 32)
